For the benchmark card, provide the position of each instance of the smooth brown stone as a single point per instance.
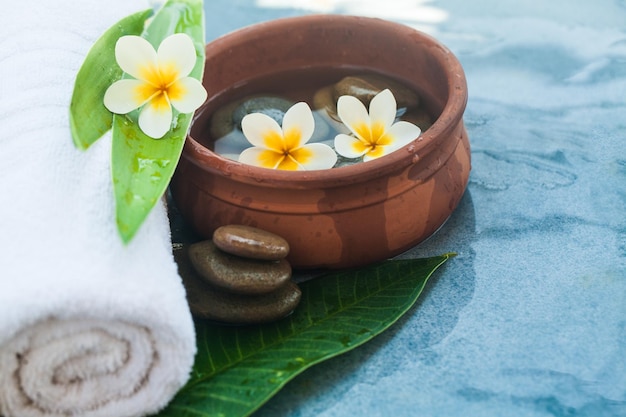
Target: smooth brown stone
(228, 118)
(272, 106)
(250, 242)
(222, 120)
(364, 87)
(236, 274)
(419, 117)
(209, 302)
(324, 98)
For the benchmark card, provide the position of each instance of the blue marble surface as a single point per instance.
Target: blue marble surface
(530, 319)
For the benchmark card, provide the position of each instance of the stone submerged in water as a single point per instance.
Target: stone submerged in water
(226, 121)
(419, 117)
(274, 107)
(364, 87)
(250, 242)
(236, 274)
(209, 302)
(228, 118)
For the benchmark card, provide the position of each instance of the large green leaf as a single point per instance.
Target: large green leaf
(142, 166)
(237, 369)
(89, 119)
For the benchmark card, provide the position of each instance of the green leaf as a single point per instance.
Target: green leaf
(142, 166)
(237, 369)
(89, 119)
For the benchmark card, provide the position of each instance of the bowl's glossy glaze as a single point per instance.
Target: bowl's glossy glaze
(346, 216)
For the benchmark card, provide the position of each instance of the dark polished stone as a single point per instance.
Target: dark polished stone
(209, 302)
(250, 242)
(236, 274)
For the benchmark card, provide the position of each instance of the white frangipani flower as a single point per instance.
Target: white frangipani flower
(161, 81)
(285, 147)
(375, 133)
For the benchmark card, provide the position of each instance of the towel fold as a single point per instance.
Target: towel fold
(88, 326)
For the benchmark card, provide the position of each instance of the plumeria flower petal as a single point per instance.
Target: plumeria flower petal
(155, 119)
(298, 125)
(320, 156)
(374, 133)
(135, 55)
(161, 81)
(262, 131)
(348, 147)
(285, 147)
(353, 114)
(187, 94)
(404, 132)
(383, 108)
(177, 53)
(122, 96)
(260, 157)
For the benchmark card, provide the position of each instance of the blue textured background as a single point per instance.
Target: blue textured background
(530, 318)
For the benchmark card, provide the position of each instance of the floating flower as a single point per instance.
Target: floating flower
(161, 81)
(285, 148)
(375, 133)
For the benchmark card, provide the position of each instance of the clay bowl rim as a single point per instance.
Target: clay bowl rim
(450, 116)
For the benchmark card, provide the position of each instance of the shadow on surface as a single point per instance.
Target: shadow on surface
(426, 324)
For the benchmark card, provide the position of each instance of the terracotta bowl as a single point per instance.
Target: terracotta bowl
(340, 217)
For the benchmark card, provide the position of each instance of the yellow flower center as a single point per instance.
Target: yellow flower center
(160, 86)
(283, 152)
(371, 138)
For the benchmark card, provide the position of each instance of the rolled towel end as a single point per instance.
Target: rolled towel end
(90, 368)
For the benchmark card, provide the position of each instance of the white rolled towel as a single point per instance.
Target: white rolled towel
(88, 326)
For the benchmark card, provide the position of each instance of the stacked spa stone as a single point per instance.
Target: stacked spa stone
(240, 277)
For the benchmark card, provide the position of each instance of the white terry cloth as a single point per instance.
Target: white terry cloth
(88, 327)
